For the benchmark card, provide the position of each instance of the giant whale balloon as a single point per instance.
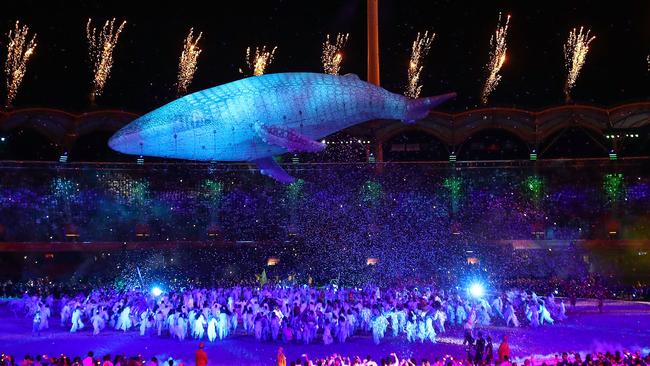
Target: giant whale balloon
(257, 118)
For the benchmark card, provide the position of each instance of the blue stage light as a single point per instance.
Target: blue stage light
(477, 290)
(156, 291)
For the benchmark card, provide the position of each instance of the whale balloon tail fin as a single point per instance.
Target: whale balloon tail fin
(269, 167)
(419, 108)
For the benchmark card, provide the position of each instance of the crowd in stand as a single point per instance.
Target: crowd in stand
(180, 204)
(89, 360)
(487, 356)
(616, 358)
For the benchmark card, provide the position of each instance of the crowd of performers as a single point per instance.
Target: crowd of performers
(293, 314)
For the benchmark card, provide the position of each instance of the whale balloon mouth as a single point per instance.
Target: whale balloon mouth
(116, 143)
(127, 140)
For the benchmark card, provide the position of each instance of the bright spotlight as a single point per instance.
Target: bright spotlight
(156, 291)
(477, 290)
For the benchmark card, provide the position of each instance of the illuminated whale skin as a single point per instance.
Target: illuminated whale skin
(259, 117)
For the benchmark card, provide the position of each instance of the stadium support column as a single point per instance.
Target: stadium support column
(373, 62)
(379, 151)
(373, 41)
(67, 142)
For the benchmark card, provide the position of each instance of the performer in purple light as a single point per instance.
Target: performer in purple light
(308, 314)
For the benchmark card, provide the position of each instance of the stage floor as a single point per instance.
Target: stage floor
(622, 325)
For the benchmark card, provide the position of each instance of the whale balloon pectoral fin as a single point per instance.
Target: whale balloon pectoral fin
(289, 139)
(419, 108)
(269, 167)
(351, 75)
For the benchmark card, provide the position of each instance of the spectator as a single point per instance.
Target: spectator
(88, 361)
(201, 358)
(504, 350)
(281, 359)
(107, 361)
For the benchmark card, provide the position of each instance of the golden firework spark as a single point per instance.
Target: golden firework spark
(19, 49)
(419, 51)
(333, 54)
(575, 54)
(260, 60)
(187, 64)
(101, 45)
(498, 49)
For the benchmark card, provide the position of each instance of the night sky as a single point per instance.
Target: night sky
(146, 57)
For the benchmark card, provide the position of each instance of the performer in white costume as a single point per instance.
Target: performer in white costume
(76, 320)
(199, 327)
(212, 329)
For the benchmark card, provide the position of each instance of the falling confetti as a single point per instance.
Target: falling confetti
(187, 64)
(340, 216)
(260, 60)
(498, 49)
(575, 54)
(19, 49)
(419, 51)
(101, 45)
(333, 54)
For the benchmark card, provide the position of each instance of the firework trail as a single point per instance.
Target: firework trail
(260, 60)
(187, 63)
(101, 45)
(419, 51)
(19, 49)
(332, 53)
(575, 54)
(498, 50)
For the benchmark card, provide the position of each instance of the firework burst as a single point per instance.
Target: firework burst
(260, 60)
(187, 64)
(575, 54)
(419, 51)
(101, 45)
(498, 50)
(332, 53)
(19, 49)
